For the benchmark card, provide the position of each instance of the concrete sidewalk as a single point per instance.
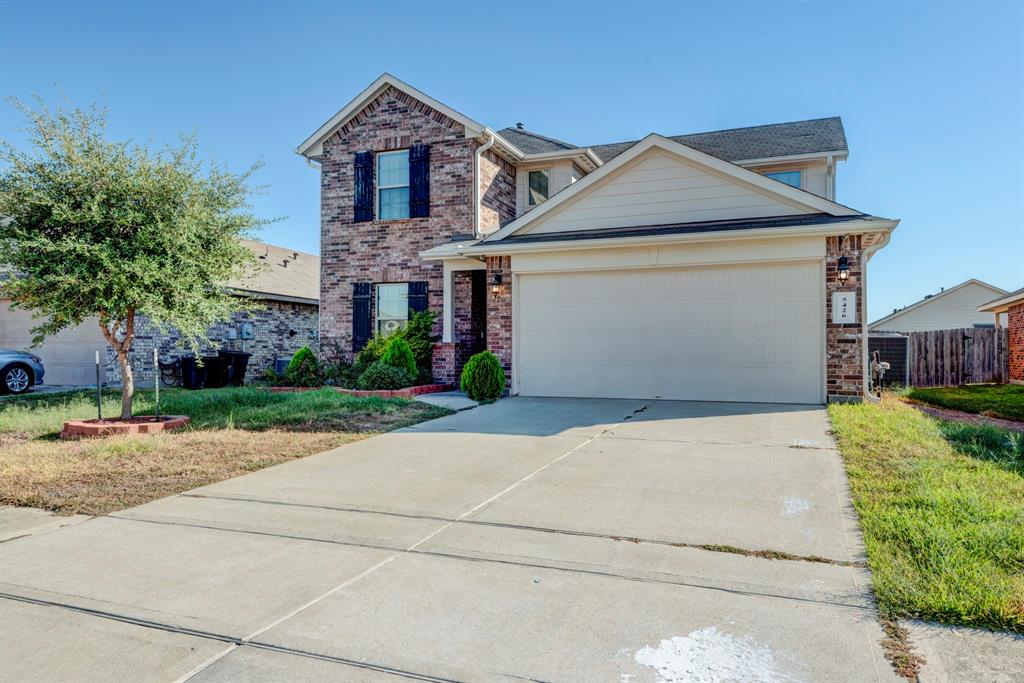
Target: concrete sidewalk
(540, 539)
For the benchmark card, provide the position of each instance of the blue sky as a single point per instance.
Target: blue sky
(931, 94)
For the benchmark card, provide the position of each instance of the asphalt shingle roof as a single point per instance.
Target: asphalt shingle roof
(735, 144)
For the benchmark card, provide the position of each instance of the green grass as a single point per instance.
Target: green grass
(240, 408)
(942, 509)
(995, 400)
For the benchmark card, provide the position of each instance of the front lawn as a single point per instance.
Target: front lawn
(233, 431)
(994, 400)
(941, 505)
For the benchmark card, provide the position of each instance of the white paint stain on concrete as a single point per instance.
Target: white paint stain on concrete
(794, 505)
(710, 656)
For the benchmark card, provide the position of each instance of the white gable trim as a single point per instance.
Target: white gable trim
(933, 298)
(312, 147)
(784, 193)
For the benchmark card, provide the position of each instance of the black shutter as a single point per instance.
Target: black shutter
(363, 195)
(417, 296)
(419, 181)
(362, 321)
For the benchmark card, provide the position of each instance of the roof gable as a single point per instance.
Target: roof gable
(658, 182)
(931, 299)
(312, 147)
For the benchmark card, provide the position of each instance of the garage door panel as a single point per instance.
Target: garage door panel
(745, 333)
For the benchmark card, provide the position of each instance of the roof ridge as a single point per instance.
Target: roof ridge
(523, 131)
(726, 130)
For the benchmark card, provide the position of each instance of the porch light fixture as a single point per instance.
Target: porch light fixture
(844, 269)
(495, 283)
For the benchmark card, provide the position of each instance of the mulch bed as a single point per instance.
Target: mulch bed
(969, 418)
(408, 392)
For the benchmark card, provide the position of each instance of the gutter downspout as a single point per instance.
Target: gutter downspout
(865, 356)
(476, 181)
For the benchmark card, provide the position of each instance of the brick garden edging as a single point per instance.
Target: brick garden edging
(408, 392)
(79, 429)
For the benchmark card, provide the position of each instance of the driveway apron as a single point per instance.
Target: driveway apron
(537, 539)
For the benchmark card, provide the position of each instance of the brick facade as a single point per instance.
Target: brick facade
(844, 343)
(1015, 328)
(497, 192)
(388, 251)
(499, 311)
(273, 326)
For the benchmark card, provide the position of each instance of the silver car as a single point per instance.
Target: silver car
(19, 371)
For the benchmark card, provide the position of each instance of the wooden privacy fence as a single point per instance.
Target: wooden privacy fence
(942, 358)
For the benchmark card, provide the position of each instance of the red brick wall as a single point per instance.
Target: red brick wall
(388, 251)
(844, 343)
(497, 192)
(1015, 325)
(499, 311)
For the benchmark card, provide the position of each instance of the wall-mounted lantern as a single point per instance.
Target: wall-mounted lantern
(496, 283)
(844, 269)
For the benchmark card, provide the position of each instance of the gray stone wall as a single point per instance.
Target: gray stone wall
(279, 330)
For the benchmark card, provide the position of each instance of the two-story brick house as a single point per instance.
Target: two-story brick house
(702, 267)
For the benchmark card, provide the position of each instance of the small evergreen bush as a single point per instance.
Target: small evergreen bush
(483, 378)
(419, 334)
(369, 354)
(398, 354)
(380, 375)
(303, 369)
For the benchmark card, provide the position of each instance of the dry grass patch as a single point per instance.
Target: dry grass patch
(234, 431)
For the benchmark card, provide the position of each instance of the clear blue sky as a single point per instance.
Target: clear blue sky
(931, 94)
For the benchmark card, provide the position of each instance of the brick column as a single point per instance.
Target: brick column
(844, 343)
(443, 363)
(1015, 325)
(499, 311)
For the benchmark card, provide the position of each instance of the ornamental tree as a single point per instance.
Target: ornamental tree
(93, 227)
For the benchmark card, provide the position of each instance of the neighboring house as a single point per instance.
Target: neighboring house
(699, 267)
(287, 288)
(1012, 306)
(950, 309)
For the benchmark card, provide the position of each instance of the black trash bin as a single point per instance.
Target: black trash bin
(216, 371)
(238, 362)
(193, 376)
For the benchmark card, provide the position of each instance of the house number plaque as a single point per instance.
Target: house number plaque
(844, 307)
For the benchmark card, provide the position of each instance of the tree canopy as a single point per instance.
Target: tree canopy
(113, 229)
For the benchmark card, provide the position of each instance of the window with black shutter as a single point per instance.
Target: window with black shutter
(419, 181)
(363, 192)
(362, 319)
(417, 296)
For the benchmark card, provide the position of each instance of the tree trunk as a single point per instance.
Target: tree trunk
(110, 326)
(127, 384)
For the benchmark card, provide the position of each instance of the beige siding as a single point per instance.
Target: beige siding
(561, 175)
(953, 310)
(69, 357)
(815, 175)
(660, 188)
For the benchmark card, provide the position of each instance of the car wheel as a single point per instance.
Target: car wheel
(15, 379)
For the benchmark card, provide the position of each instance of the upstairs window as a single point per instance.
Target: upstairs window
(793, 178)
(393, 185)
(537, 190)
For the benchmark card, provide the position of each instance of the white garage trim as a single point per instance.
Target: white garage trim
(789, 391)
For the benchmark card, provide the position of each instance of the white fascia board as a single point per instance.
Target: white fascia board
(838, 155)
(766, 185)
(582, 153)
(935, 297)
(312, 147)
(485, 248)
(1002, 305)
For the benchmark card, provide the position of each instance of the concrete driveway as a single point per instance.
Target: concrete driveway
(536, 539)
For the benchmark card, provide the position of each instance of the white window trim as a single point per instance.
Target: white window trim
(377, 318)
(550, 171)
(381, 186)
(802, 170)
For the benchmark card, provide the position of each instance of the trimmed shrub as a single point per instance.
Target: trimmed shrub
(380, 375)
(303, 369)
(398, 354)
(369, 354)
(483, 378)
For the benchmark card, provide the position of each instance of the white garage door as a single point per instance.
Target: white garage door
(68, 357)
(737, 333)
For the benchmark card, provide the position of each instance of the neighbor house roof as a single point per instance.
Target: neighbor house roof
(284, 275)
(1003, 303)
(534, 143)
(931, 298)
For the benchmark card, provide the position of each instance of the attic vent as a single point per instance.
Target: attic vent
(520, 126)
